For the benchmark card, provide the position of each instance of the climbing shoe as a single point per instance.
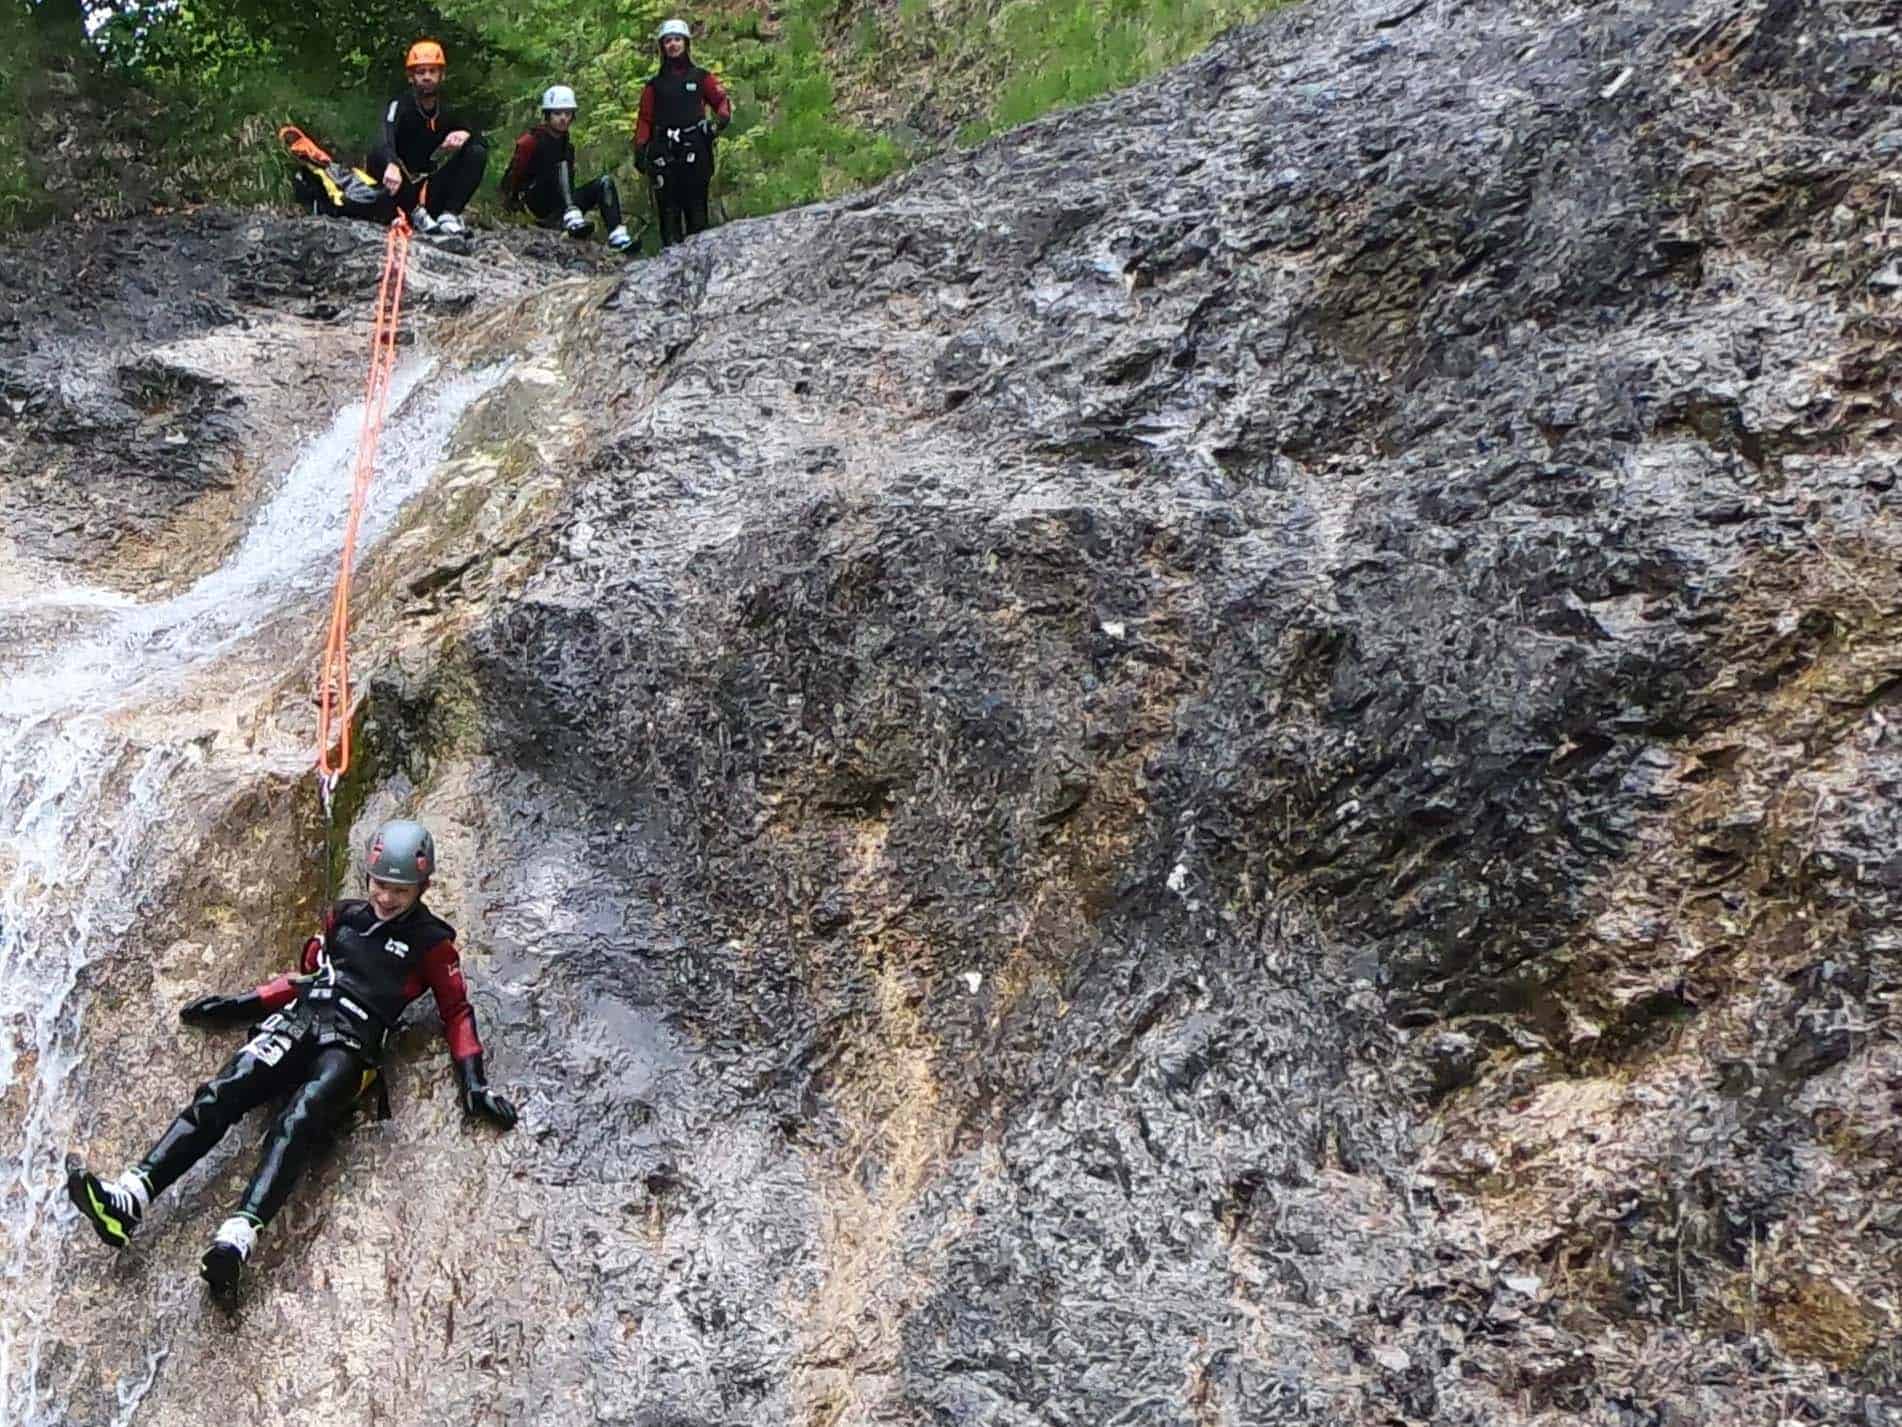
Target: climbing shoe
(450, 226)
(230, 1247)
(619, 239)
(421, 220)
(575, 221)
(115, 1207)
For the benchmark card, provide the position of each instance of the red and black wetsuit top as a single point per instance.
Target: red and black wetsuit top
(679, 94)
(383, 966)
(538, 153)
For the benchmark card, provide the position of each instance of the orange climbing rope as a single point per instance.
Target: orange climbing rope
(333, 696)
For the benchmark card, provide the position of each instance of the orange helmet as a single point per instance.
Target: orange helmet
(425, 52)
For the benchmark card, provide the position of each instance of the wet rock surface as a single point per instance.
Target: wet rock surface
(1155, 777)
(150, 368)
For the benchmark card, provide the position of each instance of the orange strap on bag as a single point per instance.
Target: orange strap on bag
(333, 717)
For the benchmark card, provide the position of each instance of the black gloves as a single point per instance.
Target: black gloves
(640, 160)
(477, 1098)
(712, 126)
(224, 1010)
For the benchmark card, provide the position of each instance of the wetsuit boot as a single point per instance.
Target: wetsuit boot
(230, 1250)
(114, 1207)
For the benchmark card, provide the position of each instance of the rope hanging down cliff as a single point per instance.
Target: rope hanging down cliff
(333, 680)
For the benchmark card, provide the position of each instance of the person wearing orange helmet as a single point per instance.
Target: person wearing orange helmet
(416, 127)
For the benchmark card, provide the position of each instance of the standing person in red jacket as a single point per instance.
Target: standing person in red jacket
(682, 107)
(317, 1040)
(541, 175)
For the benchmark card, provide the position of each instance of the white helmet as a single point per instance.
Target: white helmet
(671, 28)
(558, 96)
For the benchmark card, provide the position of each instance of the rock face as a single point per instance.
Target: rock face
(136, 363)
(1230, 761)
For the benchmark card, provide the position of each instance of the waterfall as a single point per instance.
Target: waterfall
(104, 782)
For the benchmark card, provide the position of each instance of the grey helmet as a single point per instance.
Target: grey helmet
(402, 852)
(670, 29)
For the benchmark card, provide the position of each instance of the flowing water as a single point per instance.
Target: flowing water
(104, 782)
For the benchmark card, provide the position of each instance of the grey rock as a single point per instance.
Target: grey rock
(1493, 484)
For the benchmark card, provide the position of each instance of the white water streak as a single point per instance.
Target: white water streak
(95, 820)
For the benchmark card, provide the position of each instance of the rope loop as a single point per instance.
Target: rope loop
(333, 679)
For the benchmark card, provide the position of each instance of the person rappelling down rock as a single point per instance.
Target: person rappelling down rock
(541, 176)
(316, 1039)
(416, 126)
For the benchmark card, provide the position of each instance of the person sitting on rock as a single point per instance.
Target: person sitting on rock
(316, 1039)
(541, 175)
(682, 107)
(415, 126)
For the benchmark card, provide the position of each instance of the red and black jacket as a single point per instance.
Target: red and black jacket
(680, 94)
(538, 154)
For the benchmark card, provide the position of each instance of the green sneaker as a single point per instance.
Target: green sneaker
(115, 1208)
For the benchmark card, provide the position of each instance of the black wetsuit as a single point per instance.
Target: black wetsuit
(322, 1039)
(675, 150)
(411, 135)
(541, 178)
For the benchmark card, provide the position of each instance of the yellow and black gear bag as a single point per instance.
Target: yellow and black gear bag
(323, 185)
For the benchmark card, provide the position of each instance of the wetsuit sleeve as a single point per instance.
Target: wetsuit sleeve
(277, 994)
(521, 165)
(386, 144)
(714, 94)
(442, 969)
(312, 954)
(644, 121)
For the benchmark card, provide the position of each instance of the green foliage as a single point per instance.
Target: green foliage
(795, 146)
(20, 198)
(217, 77)
(1059, 53)
(604, 49)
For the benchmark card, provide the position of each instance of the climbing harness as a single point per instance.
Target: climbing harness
(333, 688)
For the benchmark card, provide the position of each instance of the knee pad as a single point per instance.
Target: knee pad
(315, 1105)
(208, 1110)
(207, 1094)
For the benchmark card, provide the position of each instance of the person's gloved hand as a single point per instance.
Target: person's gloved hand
(477, 1098)
(492, 1107)
(711, 126)
(640, 160)
(222, 1010)
(574, 221)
